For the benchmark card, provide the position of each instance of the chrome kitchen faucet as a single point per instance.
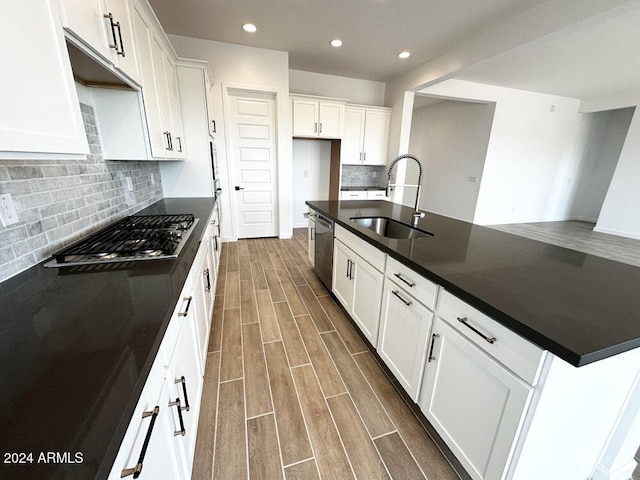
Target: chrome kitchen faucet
(417, 214)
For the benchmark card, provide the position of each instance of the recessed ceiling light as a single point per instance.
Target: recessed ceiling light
(249, 27)
(336, 43)
(404, 54)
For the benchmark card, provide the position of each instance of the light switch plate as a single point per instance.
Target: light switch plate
(8, 213)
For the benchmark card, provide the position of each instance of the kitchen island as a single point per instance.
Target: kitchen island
(580, 312)
(76, 348)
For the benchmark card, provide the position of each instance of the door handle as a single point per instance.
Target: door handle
(239, 188)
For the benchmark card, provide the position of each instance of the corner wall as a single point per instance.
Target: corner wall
(450, 138)
(533, 156)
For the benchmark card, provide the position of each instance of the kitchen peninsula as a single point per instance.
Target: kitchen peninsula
(576, 320)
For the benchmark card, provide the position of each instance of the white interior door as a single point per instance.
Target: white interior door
(252, 132)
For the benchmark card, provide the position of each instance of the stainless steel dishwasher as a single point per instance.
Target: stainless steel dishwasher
(324, 250)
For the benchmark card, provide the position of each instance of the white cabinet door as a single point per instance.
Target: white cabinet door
(208, 89)
(376, 137)
(176, 131)
(144, 40)
(160, 73)
(342, 274)
(124, 56)
(367, 296)
(151, 423)
(305, 118)
(330, 120)
(40, 110)
(402, 344)
(474, 403)
(184, 381)
(352, 138)
(85, 18)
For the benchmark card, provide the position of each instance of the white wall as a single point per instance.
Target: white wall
(450, 138)
(248, 68)
(607, 133)
(533, 156)
(311, 167)
(366, 92)
(620, 214)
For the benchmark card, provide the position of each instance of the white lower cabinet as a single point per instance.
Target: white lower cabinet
(166, 416)
(150, 425)
(473, 402)
(353, 195)
(402, 344)
(358, 285)
(184, 382)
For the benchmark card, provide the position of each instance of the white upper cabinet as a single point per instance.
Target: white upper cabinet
(159, 87)
(105, 27)
(317, 118)
(366, 136)
(40, 110)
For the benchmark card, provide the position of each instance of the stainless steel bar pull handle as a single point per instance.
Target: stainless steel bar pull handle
(121, 50)
(466, 323)
(207, 287)
(182, 430)
(433, 341)
(400, 277)
(179, 144)
(186, 310)
(183, 381)
(113, 45)
(348, 267)
(406, 302)
(135, 471)
(315, 127)
(320, 128)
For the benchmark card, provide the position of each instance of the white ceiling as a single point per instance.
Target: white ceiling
(597, 59)
(373, 31)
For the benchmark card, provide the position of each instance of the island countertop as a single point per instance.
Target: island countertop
(580, 307)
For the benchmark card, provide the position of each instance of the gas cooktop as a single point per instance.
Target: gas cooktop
(138, 237)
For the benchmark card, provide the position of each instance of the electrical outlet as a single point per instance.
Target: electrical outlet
(129, 184)
(375, 174)
(8, 213)
(473, 179)
(153, 179)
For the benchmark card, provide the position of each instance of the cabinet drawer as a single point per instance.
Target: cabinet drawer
(377, 194)
(517, 354)
(353, 195)
(368, 252)
(423, 290)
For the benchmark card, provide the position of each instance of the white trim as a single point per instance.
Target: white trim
(619, 233)
(621, 473)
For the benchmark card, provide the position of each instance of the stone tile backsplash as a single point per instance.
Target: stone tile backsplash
(60, 201)
(364, 175)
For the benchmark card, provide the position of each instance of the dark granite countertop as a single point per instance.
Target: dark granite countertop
(76, 347)
(363, 188)
(580, 307)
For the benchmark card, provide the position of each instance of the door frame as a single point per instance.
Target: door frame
(283, 163)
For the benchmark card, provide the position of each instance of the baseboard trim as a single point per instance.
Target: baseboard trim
(618, 233)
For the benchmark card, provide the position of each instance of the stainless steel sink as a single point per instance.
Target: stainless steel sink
(387, 227)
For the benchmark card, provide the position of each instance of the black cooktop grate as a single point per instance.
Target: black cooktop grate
(135, 236)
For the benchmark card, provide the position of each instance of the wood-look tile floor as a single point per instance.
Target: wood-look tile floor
(578, 235)
(291, 391)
